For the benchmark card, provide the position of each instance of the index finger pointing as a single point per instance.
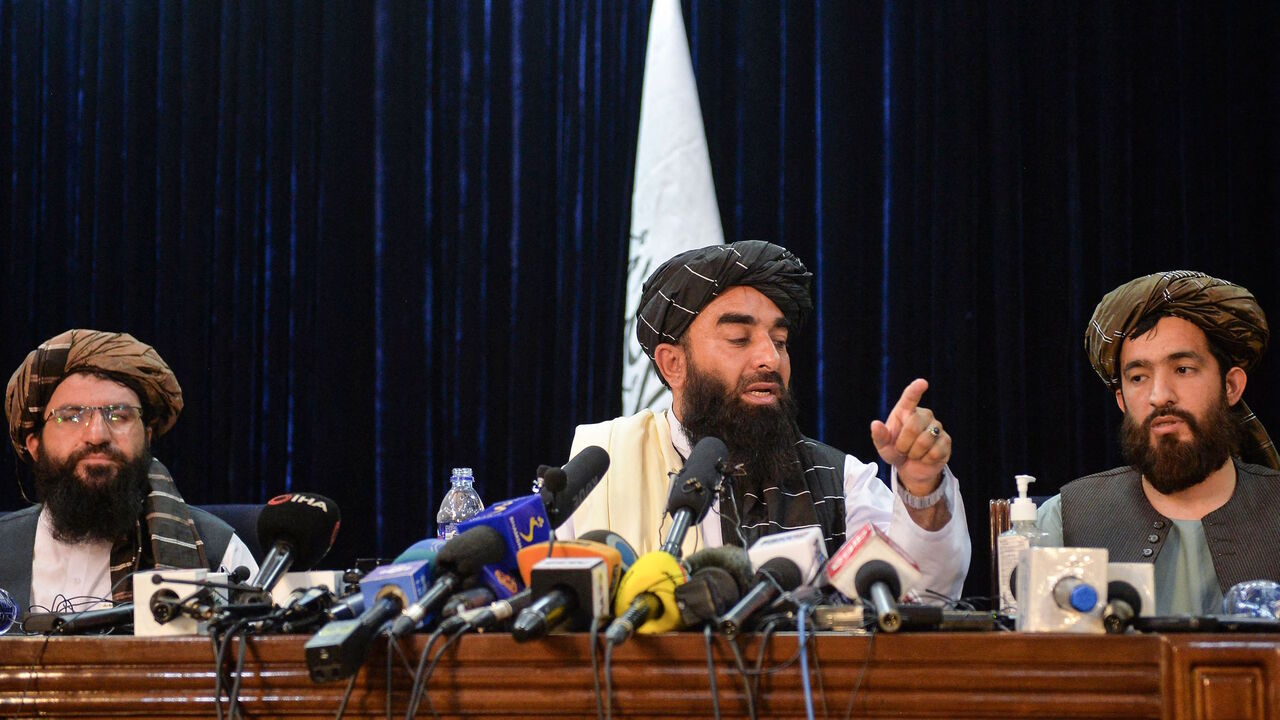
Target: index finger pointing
(911, 396)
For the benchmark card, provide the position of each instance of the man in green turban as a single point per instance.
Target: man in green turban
(1176, 349)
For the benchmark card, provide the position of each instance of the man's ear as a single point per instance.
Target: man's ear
(672, 363)
(1120, 400)
(1236, 380)
(33, 444)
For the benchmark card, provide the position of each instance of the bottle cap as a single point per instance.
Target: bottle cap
(1023, 508)
(1084, 597)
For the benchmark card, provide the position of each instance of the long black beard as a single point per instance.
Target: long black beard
(760, 437)
(1170, 464)
(106, 508)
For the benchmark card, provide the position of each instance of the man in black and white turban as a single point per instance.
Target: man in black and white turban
(716, 323)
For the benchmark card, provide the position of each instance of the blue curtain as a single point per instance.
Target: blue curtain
(379, 240)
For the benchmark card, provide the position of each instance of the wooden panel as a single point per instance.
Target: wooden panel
(1003, 675)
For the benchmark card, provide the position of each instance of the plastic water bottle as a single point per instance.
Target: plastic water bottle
(8, 611)
(1022, 534)
(461, 502)
(1254, 598)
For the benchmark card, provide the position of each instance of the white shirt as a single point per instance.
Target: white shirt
(77, 576)
(942, 555)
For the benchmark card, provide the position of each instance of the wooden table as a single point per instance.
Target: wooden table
(999, 675)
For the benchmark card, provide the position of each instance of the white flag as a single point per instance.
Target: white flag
(673, 204)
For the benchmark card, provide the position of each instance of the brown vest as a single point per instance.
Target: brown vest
(1109, 510)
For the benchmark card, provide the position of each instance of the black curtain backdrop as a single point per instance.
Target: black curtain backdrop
(379, 240)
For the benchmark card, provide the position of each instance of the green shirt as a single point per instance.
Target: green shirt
(1186, 583)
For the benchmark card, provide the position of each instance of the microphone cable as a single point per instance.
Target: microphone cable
(866, 663)
(421, 675)
(711, 671)
(393, 649)
(593, 638)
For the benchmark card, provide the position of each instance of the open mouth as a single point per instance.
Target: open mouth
(761, 392)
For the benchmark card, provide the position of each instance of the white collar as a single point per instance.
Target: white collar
(679, 438)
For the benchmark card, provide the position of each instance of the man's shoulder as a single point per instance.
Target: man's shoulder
(641, 418)
(1262, 472)
(1106, 476)
(640, 424)
(26, 514)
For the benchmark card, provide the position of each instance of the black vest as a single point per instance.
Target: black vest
(1109, 510)
(824, 475)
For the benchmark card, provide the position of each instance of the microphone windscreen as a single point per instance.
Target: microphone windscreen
(659, 574)
(876, 571)
(692, 488)
(237, 576)
(626, 554)
(784, 572)
(530, 556)
(1121, 590)
(422, 550)
(730, 558)
(470, 550)
(710, 592)
(307, 522)
(568, 487)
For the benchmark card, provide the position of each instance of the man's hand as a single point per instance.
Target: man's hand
(912, 441)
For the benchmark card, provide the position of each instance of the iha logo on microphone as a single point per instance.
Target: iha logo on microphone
(299, 498)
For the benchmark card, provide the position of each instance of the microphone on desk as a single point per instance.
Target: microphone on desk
(300, 528)
(718, 577)
(1124, 603)
(460, 558)
(871, 567)
(489, 615)
(75, 623)
(564, 488)
(645, 600)
(339, 649)
(783, 562)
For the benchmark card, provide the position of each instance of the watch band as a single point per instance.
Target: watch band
(921, 502)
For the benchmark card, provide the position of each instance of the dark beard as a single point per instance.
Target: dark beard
(1171, 464)
(106, 508)
(760, 437)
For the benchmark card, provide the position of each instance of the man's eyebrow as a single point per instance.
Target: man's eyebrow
(1180, 355)
(732, 318)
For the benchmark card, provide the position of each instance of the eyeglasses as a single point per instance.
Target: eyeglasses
(117, 417)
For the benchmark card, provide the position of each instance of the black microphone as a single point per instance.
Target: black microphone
(564, 488)
(461, 557)
(1124, 603)
(75, 623)
(488, 616)
(466, 600)
(718, 578)
(693, 489)
(300, 528)
(878, 580)
(775, 577)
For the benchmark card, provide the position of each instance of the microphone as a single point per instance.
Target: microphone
(564, 488)
(530, 556)
(803, 549)
(300, 528)
(718, 577)
(1123, 605)
(338, 650)
(870, 566)
(626, 553)
(518, 523)
(775, 577)
(8, 611)
(573, 590)
(488, 616)
(76, 623)
(460, 558)
(466, 600)
(645, 601)
(693, 489)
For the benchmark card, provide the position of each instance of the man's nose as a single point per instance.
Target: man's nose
(1162, 390)
(765, 354)
(96, 429)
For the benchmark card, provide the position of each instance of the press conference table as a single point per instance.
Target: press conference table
(1001, 675)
